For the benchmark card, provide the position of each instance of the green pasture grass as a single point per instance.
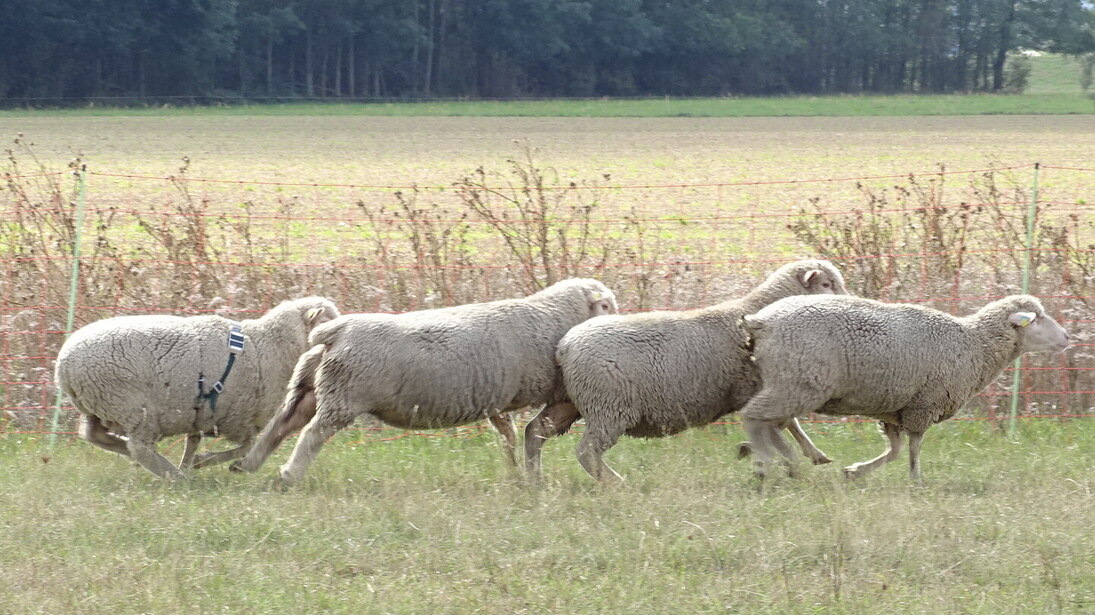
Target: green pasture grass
(1051, 102)
(437, 525)
(1052, 73)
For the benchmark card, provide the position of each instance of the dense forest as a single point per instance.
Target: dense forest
(69, 49)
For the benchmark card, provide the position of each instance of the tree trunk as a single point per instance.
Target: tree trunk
(1002, 48)
(351, 74)
(427, 80)
(141, 75)
(338, 70)
(438, 77)
(962, 57)
(270, 65)
(243, 70)
(483, 74)
(292, 70)
(309, 84)
(414, 52)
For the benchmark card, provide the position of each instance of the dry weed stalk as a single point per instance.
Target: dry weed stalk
(548, 227)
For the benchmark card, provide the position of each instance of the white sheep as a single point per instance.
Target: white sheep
(430, 369)
(148, 377)
(906, 365)
(658, 373)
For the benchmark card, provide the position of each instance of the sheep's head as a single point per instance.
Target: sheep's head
(577, 295)
(318, 310)
(601, 300)
(820, 277)
(1037, 330)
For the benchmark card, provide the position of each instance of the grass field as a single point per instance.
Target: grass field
(437, 524)
(1054, 74)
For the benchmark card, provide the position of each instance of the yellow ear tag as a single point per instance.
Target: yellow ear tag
(597, 296)
(1025, 319)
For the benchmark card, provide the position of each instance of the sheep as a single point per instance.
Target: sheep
(655, 374)
(905, 365)
(152, 376)
(429, 369)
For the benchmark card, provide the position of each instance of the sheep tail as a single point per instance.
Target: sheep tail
(752, 323)
(303, 380)
(326, 333)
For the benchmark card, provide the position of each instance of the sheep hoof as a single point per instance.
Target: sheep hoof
(202, 460)
(745, 449)
(279, 484)
(285, 479)
(820, 461)
(852, 472)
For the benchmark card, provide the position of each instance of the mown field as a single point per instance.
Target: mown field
(436, 151)
(436, 524)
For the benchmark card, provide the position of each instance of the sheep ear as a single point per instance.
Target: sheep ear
(1022, 319)
(809, 275)
(312, 314)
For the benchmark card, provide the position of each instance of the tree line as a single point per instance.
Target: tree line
(512, 48)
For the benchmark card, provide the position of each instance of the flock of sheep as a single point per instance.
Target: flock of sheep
(787, 348)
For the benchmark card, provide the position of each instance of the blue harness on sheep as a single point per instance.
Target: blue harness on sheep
(235, 347)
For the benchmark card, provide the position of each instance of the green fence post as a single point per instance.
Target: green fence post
(1032, 211)
(81, 185)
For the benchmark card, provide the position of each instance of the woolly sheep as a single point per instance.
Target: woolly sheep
(429, 369)
(658, 373)
(906, 365)
(138, 377)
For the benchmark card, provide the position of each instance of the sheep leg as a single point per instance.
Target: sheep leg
(189, 450)
(771, 409)
(915, 439)
(503, 423)
(315, 434)
(761, 445)
(813, 453)
(554, 420)
(893, 435)
(93, 430)
(147, 455)
(591, 449)
(292, 417)
(213, 458)
(780, 445)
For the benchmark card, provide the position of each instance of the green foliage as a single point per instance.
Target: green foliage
(1017, 74)
(64, 49)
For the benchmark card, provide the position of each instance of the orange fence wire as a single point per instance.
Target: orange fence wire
(240, 246)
